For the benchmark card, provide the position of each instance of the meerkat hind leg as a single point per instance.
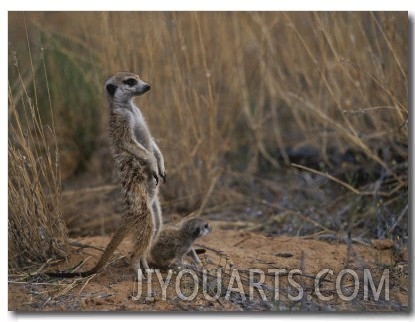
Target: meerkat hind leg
(158, 219)
(144, 264)
(140, 266)
(139, 262)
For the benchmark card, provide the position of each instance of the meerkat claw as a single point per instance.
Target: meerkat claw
(156, 177)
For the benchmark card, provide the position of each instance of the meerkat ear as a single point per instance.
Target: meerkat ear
(111, 88)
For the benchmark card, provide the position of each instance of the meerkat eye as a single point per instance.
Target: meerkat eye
(197, 231)
(130, 82)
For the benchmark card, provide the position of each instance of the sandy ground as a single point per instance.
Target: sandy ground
(243, 272)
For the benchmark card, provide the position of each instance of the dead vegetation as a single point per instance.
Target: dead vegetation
(37, 231)
(280, 123)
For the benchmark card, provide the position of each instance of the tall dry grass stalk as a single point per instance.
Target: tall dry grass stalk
(36, 230)
(232, 91)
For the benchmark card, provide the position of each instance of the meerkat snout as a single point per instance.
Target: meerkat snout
(142, 88)
(146, 87)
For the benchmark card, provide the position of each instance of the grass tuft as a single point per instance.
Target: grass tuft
(37, 231)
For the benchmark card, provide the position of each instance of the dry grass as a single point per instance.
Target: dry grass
(36, 228)
(233, 95)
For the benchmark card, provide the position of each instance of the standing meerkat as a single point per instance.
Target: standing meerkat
(140, 165)
(173, 243)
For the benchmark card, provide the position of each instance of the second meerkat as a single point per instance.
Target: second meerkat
(176, 242)
(140, 165)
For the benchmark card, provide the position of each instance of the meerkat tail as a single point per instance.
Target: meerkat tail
(109, 250)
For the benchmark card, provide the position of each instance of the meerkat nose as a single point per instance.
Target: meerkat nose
(146, 87)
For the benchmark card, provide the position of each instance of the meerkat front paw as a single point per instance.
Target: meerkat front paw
(176, 265)
(155, 176)
(163, 175)
(153, 170)
(161, 170)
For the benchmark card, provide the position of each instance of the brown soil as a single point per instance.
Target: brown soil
(235, 252)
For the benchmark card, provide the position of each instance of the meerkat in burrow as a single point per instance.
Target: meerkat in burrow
(140, 165)
(173, 243)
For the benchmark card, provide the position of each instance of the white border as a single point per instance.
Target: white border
(159, 5)
(215, 5)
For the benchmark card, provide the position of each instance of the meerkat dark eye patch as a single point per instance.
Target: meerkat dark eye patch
(130, 82)
(111, 88)
(196, 233)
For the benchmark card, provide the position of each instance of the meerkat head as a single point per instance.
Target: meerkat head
(124, 86)
(196, 227)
